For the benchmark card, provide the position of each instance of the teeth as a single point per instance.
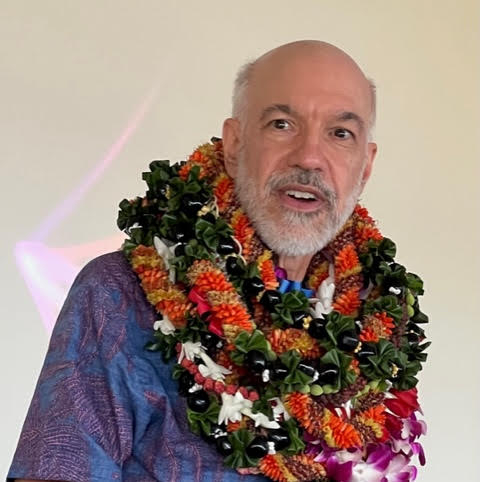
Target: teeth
(301, 194)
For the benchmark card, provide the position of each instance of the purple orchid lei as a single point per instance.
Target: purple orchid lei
(387, 462)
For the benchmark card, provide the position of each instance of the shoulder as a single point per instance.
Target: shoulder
(111, 268)
(110, 277)
(106, 296)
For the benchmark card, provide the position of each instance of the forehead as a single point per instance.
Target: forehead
(312, 84)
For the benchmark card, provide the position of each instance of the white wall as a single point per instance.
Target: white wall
(73, 73)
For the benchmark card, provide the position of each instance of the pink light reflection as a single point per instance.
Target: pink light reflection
(49, 272)
(47, 276)
(70, 202)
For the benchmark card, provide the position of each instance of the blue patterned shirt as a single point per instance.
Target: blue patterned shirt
(104, 407)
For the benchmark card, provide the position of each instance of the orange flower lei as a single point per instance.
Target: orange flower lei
(319, 414)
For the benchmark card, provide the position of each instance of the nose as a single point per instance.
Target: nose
(310, 152)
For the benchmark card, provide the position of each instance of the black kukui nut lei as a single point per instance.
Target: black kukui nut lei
(226, 246)
(182, 232)
(317, 328)
(327, 374)
(413, 337)
(258, 447)
(366, 350)
(214, 432)
(306, 368)
(278, 372)
(210, 341)
(198, 401)
(270, 299)
(185, 382)
(253, 286)
(209, 217)
(224, 446)
(191, 205)
(280, 438)
(348, 340)
(256, 361)
(233, 266)
(179, 250)
(298, 318)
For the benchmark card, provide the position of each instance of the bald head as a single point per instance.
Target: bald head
(307, 58)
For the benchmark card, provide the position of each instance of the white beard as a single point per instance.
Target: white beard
(297, 234)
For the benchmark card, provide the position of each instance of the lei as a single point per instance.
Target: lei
(295, 383)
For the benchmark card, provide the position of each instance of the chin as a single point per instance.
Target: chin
(293, 239)
(301, 234)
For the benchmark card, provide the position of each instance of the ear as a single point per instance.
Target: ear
(231, 145)
(371, 153)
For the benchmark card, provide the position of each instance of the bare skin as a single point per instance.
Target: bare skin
(295, 266)
(308, 106)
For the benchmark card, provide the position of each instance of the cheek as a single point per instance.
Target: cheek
(346, 177)
(260, 166)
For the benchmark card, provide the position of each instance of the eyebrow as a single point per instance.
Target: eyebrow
(347, 116)
(285, 108)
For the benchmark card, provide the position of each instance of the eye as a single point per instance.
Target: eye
(343, 134)
(280, 124)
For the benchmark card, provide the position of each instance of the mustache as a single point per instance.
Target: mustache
(305, 177)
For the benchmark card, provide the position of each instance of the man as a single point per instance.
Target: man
(299, 150)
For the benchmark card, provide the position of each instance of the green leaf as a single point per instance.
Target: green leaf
(294, 300)
(263, 405)
(195, 250)
(290, 359)
(240, 439)
(167, 225)
(163, 343)
(376, 254)
(420, 317)
(162, 168)
(193, 174)
(199, 422)
(246, 342)
(210, 233)
(336, 323)
(296, 444)
(205, 231)
(415, 284)
(177, 371)
(387, 249)
(342, 361)
(295, 378)
(379, 366)
(128, 246)
(252, 270)
(291, 301)
(157, 178)
(153, 346)
(388, 303)
(390, 274)
(130, 213)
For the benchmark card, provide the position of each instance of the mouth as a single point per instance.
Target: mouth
(301, 198)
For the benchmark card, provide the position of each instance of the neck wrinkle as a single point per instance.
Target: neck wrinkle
(295, 266)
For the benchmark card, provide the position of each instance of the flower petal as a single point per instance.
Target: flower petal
(380, 457)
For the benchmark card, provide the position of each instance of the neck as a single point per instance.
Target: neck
(295, 266)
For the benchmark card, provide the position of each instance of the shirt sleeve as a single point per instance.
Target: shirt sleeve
(79, 424)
